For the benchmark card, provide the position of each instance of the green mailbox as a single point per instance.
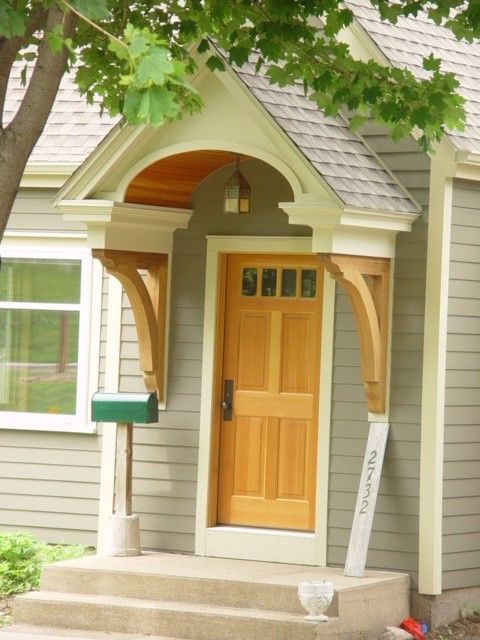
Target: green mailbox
(124, 407)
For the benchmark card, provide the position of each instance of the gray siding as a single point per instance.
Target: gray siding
(403, 158)
(461, 499)
(394, 542)
(33, 211)
(165, 465)
(49, 482)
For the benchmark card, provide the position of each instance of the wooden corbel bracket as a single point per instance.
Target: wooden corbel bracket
(148, 301)
(366, 282)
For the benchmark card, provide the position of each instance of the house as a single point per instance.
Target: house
(348, 294)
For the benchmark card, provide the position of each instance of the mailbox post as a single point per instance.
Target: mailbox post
(122, 536)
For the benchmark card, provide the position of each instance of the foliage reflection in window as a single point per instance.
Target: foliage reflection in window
(249, 282)
(269, 282)
(309, 283)
(39, 335)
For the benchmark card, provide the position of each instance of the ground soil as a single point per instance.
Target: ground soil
(464, 629)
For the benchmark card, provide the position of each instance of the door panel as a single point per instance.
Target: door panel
(267, 453)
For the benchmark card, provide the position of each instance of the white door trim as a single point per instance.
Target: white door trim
(250, 543)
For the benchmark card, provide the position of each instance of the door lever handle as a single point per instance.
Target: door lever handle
(227, 402)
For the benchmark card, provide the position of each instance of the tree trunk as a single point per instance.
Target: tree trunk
(18, 139)
(12, 164)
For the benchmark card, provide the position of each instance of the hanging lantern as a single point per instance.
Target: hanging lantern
(237, 193)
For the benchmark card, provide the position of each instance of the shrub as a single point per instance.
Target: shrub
(22, 558)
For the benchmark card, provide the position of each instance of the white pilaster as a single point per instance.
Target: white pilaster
(433, 384)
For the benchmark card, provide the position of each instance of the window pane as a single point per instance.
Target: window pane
(269, 282)
(309, 283)
(38, 361)
(249, 282)
(40, 280)
(289, 283)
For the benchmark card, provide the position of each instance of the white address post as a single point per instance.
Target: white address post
(366, 500)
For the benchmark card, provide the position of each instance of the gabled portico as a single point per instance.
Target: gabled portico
(140, 200)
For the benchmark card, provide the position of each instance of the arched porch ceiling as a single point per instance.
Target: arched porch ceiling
(171, 181)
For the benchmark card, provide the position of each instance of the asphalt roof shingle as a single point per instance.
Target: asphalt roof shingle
(406, 43)
(340, 156)
(74, 128)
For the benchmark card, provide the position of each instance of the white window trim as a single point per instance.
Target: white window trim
(58, 246)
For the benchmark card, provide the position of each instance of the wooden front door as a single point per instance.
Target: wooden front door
(271, 357)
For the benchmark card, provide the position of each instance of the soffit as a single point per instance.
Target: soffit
(170, 182)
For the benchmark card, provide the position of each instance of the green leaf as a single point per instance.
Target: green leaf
(151, 106)
(431, 63)
(157, 105)
(138, 46)
(131, 105)
(153, 68)
(203, 46)
(93, 9)
(119, 50)
(357, 122)
(278, 75)
(55, 38)
(215, 64)
(12, 20)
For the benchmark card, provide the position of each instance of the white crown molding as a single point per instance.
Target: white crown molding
(350, 231)
(132, 227)
(46, 175)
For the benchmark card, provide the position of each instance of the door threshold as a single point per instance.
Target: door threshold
(268, 545)
(261, 530)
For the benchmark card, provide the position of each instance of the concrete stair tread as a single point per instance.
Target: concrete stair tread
(220, 569)
(25, 632)
(163, 605)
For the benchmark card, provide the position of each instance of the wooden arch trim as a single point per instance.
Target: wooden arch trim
(366, 282)
(148, 300)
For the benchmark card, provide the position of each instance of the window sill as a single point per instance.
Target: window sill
(45, 422)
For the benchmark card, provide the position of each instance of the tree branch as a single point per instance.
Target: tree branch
(20, 136)
(9, 47)
(42, 89)
(96, 26)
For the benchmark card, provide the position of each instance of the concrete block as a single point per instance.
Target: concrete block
(122, 536)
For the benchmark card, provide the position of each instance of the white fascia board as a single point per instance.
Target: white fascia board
(46, 175)
(467, 166)
(348, 230)
(99, 162)
(457, 163)
(132, 227)
(310, 213)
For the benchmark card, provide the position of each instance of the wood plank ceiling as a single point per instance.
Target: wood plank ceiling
(171, 182)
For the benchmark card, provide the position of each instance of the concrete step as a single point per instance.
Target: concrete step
(195, 598)
(220, 582)
(26, 632)
(226, 593)
(113, 614)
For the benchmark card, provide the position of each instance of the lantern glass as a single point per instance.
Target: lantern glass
(237, 194)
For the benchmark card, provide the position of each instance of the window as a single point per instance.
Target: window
(44, 339)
